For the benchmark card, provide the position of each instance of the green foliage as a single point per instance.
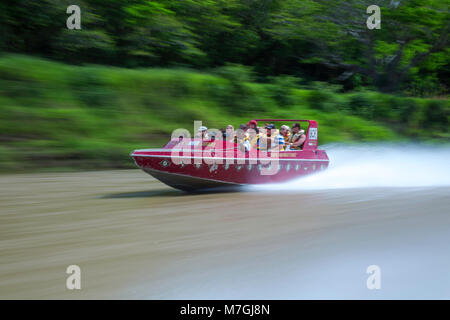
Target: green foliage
(360, 105)
(76, 47)
(437, 116)
(324, 97)
(237, 95)
(281, 89)
(316, 40)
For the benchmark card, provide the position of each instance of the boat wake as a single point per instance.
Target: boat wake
(376, 165)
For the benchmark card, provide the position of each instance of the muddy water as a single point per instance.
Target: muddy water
(135, 238)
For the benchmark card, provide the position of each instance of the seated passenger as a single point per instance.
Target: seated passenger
(251, 139)
(297, 138)
(285, 131)
(272, 139)
(215, 135)
(253, 124)
(201, 133)
(278, 138)
(240, 136)
(230, 135)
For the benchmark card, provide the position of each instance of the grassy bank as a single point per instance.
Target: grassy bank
(56, 115)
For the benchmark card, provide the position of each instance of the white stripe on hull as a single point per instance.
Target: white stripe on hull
(220, 158)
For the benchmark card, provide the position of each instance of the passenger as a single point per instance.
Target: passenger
(230, 134)
(252, 124)
(202, 133)
(272, 139)
(241, 136)
(251, 139)
(285, 131)
(212, 135)
(297, 138)
(280, 140)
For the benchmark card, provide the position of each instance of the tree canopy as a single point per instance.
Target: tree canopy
(316, 40)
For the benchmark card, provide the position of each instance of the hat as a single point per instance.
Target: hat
(252, 122)
(270, 126)
(202, 128)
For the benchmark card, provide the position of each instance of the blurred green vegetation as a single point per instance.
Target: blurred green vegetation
(54, 115)
(317, 40)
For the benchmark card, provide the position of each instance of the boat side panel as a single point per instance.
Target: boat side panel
(246, 172)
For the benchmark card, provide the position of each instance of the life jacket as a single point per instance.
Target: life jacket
(294, 137)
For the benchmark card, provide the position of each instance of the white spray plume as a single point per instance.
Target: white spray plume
(376, 165)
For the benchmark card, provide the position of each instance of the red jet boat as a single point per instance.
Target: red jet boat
(196, 164)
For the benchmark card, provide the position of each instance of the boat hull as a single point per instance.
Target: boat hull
(194, 174)
(189, 183)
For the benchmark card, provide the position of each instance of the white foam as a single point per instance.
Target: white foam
(376, 165)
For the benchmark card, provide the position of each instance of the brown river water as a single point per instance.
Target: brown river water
(135, 238)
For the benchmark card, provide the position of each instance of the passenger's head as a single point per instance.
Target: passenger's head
(253, 124)
(202, 131)
(243, 127)
(296, 128)
(213, 135)
(269, 128)
(229, 132)
(284, 130)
